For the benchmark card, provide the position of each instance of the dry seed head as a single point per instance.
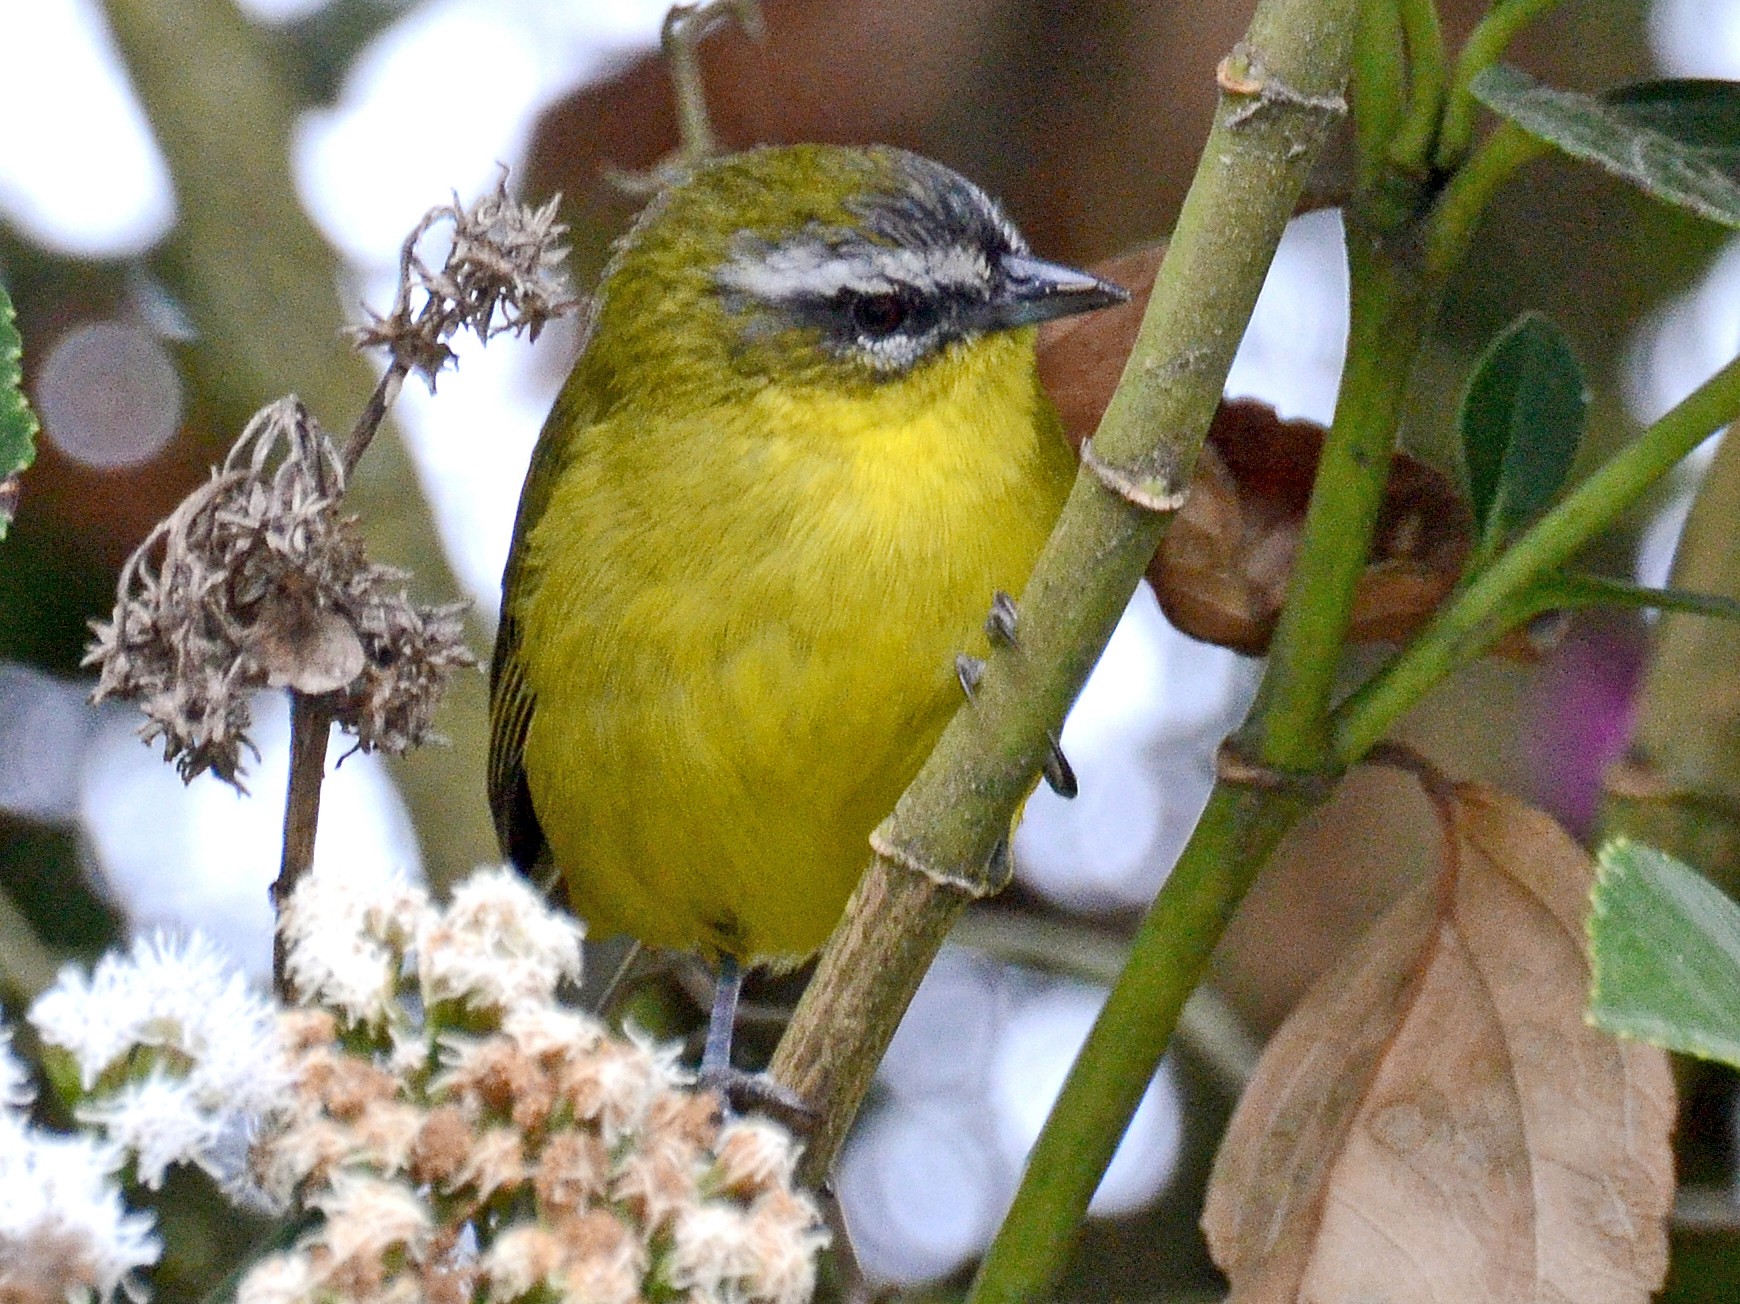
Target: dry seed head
(257, 579)
(503, 272)
(442, 1147)
(607, 1261)
(572, 1173)
(593, 1141)
(495, 1162)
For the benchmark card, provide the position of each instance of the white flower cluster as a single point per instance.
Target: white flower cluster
(463, 1135)
(177, 1056)
(65, 1232)
(468, 1138)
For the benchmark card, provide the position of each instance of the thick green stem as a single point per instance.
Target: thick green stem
(1282, 91)
(1471, 623)
(1390, 312)
(1378, 100)
(1238, 830)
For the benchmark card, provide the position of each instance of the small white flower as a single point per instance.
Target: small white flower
(280, 1279)
(522, 1258)
(497, 945)
(158, 1119)
(710, 1252)
(221, 1066)
(347, 940)
(177, 994)
(754, 1156)
(64, 1228)
(367, 1217)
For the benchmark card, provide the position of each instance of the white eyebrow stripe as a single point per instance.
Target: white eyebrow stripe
(809, 270)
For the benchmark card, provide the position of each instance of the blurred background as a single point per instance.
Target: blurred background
(196, 196)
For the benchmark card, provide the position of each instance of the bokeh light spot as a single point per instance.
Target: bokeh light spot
(109, 394)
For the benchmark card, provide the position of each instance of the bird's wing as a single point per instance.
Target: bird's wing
(510, 698)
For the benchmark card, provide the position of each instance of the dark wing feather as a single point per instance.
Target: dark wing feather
(511, 703)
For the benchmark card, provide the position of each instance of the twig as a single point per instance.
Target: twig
(310, 728)
(685, 27)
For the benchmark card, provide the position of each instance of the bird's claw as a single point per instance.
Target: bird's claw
(1000, 623)
(969, 670)
(758, 1093)
(1059, 776)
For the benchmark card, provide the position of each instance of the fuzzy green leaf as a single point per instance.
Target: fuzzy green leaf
(1676, 140)
(1521, 421)
(1665, 948)
(17, 422)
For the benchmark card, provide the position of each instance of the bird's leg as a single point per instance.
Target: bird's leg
(1000, 629)
(716, 1058)
(740, 1090)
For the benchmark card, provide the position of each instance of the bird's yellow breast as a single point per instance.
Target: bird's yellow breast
(740, 630)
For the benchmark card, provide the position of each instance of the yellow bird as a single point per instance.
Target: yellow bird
(803, 446)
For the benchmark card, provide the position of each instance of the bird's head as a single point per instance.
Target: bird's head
(825, 266)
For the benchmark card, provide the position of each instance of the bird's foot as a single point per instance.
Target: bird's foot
(759, 1093)
(1000, 623)
(1059, 776)
(969, 670)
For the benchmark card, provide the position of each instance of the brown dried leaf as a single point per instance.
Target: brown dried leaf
(1436, 1122)
(1222, 572)
(303, 645)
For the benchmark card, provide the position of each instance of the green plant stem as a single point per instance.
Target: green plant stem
(934, 851)
(1461, 207)
(1377, 84)
(1411, 147)
(1486, 44)
(1498, 596)
(1391, 309)
(1238, 830)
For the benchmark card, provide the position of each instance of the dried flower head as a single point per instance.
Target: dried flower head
(259, 579)
(503, 272)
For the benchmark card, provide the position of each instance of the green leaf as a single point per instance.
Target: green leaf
(1676, 140)
(1521, 421)
(17, 422)
(1665, 948)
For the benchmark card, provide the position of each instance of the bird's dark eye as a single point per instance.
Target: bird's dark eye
(876, 315)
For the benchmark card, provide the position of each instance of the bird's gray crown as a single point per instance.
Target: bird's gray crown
(914, 274)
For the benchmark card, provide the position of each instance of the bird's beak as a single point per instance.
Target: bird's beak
(1035, 291)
